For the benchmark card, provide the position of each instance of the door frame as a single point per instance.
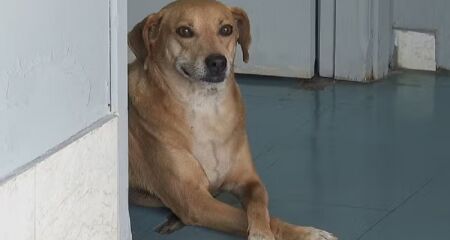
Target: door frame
(119, 106)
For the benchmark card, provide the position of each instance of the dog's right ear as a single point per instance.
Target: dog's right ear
(245, 37)
(143, 35)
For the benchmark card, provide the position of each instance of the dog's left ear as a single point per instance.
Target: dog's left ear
(245, 37)
(142, 35)
(136, 42)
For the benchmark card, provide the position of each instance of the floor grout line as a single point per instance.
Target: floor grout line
(268, 149)
(325, 204)
(396, 208)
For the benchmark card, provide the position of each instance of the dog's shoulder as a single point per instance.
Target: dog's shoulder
(136, 81)
(135, 69)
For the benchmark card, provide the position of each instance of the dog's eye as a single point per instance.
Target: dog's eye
(185, 32)
(226, 30)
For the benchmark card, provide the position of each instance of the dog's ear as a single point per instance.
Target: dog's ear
(143, 35)
(245, 37)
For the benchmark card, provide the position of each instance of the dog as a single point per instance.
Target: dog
(187, 135)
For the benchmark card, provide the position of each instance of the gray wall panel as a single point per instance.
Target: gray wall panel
(326, 38)
(383, 37)
(353, 40)
(363, 39)
(283, 34)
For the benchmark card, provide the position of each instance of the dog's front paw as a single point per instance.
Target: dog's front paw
(171, 225)
(317, 234)
(260, 236)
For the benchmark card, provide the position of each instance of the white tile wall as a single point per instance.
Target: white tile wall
(70, 195)
(17, 207)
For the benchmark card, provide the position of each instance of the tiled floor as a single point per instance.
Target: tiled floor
(368, 162)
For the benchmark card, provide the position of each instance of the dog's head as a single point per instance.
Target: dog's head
(195, 38)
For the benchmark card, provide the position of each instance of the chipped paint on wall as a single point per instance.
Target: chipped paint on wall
(415, 50)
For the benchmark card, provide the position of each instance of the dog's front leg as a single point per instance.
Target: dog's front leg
(254, 199)
(244, 182)
(184, 188)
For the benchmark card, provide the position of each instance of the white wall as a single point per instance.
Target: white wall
(431, 15)
(70, 195)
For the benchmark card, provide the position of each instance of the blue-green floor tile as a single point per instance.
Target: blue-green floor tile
(360, 160)
(426, 215)
(336, 219)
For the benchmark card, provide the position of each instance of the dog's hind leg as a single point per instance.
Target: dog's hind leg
(144, 199)
(172, 224)
(197, 207)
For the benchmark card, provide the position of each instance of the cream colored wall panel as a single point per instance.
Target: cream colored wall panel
(76, 189)
(17, 213)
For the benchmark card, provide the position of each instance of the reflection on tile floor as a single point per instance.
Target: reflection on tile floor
(368, 162)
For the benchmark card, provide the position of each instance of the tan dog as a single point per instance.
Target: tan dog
(187, 126)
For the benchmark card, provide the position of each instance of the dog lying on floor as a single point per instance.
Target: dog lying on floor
(187, 133)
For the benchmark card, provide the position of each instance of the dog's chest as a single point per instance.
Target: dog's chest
(211, 128)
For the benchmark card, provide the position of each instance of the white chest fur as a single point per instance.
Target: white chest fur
(210, 125)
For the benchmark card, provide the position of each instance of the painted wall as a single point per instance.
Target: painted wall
(427, 15)
(71, 194)
(54, 74)
(327, 11)
(383, 37)
(283, 34)
(363, 39)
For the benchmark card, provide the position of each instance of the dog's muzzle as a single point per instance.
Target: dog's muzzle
(216, 65)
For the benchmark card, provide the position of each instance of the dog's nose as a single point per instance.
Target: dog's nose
(216, 64)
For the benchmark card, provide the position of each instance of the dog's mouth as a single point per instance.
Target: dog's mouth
(185, 72)
(214, 79)
(209, 78)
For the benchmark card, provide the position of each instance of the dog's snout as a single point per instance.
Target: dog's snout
(216, 64)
